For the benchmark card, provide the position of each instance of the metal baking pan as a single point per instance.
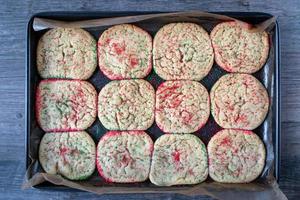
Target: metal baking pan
(269, 75)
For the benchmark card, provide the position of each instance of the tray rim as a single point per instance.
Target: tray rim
(277, 146)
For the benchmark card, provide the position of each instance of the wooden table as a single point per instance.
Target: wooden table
(13, 18)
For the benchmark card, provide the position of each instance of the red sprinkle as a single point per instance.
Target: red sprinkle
(248, 81)
(176, 156)
(188, 117)
(191, 172)
(125, 160)
(175, 103)
(235, 151)
(107, 41)
(111, 134)
(241, 118)
(119, 48)
(230, 107)
(133, 61)
(163, 89)
(226, 141)
(247, 132)
(63, 152)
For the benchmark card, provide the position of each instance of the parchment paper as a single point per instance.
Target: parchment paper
(265, 187)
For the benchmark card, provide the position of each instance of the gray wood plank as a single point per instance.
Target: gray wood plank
(13, 19)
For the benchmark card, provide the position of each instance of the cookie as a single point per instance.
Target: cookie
(66, 53)
(126, 105)
(182, 51)
(181, 106)
(65, 105)
(124, 156)
(178, 159)
(70, 154)
(238, 50)
(239, 101)
(124, 52)
(235, 156)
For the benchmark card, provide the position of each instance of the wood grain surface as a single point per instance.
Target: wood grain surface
(13, 18)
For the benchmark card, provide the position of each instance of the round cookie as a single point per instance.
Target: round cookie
(127, 105)
(235, 156)
(238, 50)
(124, 52)
(70, 154)
(239, 101)
(66, 53)
(124, 156)
(182, 51)
(65, 105)
(181, 106)
(178, 159)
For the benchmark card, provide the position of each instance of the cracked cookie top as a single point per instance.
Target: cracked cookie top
(124, 52)
(239, 101)
(182, 51)
(70, 154)
(238, 50)
(178, 159)
(124, 156)
(181, 106)
(65, 105)
(126, 105)
(235, 156)
(66, 53)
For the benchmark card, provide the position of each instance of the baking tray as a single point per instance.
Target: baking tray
(269, 75)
